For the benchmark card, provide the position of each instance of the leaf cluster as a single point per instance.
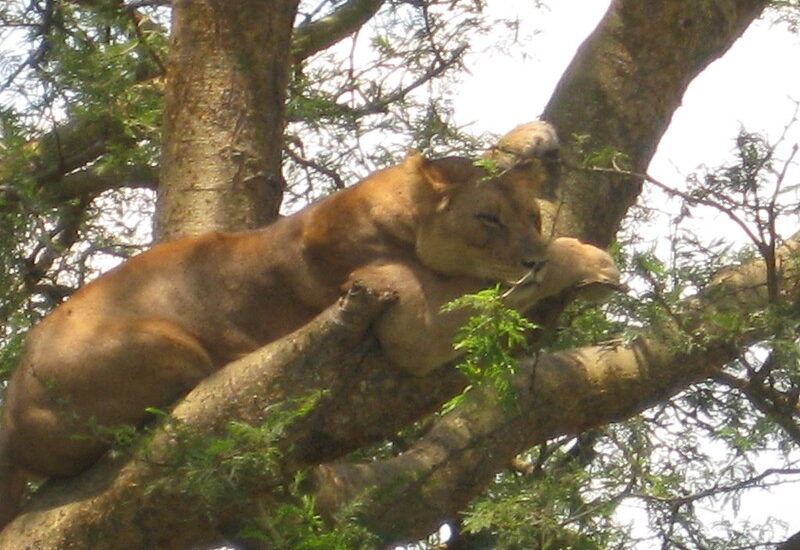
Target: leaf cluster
(594, 155)
(212, 469)
(488, 341)
(294, 524)
(550, 507)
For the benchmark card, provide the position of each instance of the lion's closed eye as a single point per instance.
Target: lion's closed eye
(490, 220)
(536, 220)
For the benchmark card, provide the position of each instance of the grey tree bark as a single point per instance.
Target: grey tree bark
(620, 92)
(227, 77)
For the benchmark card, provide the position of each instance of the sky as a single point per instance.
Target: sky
(755, 85)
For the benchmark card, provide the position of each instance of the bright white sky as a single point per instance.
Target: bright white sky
(752, 85)
(755, 86)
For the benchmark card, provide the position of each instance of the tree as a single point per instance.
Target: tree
(708, 344)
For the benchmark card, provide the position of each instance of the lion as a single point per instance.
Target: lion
(149, 330)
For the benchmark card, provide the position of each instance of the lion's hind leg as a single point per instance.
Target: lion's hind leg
(12, 484)
(66, 401)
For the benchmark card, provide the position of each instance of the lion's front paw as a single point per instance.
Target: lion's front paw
(379, 279)
(579, 262)
(573, 264)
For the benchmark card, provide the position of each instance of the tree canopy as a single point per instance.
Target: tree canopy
(126, 121)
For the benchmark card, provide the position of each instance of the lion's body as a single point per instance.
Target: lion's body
(149, 330)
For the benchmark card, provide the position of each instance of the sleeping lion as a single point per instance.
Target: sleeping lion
(149, 330)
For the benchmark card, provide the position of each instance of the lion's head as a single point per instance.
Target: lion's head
(484, 226)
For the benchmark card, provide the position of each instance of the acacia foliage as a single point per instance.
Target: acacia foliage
(81, 107)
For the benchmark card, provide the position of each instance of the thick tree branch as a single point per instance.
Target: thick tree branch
(310, 38)
(91, 182)
(111, 497)
(621, 89)
(64, 149)
(558, 393)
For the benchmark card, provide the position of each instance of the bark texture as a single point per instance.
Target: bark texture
(223, 124)
(58, 154)
(621, 89)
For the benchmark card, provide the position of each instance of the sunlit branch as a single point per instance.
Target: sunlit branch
(92, 182)
(310, 38)
(558, 393)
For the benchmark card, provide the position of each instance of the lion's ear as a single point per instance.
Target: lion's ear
(414, 161)
(443, 175)
(420, 166)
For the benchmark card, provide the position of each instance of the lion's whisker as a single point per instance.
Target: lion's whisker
(528, 278)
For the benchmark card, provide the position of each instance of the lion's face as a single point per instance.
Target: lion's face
(483, 228)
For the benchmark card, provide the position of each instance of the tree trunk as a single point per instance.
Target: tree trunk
(620, 91)
(792, 543)
(224, 115)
